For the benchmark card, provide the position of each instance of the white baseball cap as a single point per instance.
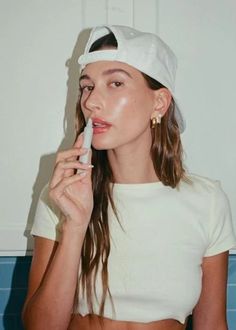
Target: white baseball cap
(144, 51)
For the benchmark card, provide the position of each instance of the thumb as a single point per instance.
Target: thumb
(79, 141)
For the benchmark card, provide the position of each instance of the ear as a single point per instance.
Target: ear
(162, 100)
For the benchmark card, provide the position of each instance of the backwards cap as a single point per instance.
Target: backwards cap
(144, 51)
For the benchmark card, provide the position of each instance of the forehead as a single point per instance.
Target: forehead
(109, 67)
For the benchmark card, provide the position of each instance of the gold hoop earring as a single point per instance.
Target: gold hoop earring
(155, 121)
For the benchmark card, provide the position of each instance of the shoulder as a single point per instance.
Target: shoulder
(48, 203)
(205, 193)
(200, 185)
(44, 195)
(47, 220)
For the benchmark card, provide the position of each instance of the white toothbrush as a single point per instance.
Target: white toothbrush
(88, 134)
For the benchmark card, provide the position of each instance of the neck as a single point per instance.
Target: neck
(132, 165)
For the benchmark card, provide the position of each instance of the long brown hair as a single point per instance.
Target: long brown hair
(166, 155)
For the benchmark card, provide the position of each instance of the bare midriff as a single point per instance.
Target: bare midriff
(93, 322)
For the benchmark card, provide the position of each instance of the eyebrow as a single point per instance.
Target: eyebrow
(110, 71)
(107, 72)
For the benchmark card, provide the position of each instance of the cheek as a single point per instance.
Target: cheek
(130, 118)
(119, 106)
(128, 107)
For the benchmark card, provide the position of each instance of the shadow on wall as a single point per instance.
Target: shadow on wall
(47, 161)
(12, 318)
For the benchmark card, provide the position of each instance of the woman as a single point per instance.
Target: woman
(135, 242)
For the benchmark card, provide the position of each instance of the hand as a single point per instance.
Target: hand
(72, 193)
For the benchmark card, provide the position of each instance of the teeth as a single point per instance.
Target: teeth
(98, 125)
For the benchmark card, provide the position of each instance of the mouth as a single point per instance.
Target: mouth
(100, 126)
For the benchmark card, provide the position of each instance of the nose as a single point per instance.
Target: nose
(93, 101)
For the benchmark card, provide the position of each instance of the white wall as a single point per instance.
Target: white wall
(37, 39)
(38, 82)
(203, 35)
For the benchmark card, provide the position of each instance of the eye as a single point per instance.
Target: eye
(116, 83)
(86, 88)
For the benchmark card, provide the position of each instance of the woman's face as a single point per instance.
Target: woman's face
(118, 100)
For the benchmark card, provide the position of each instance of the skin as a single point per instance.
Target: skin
(114, 96)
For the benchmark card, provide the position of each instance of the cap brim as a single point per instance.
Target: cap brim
(178, 116)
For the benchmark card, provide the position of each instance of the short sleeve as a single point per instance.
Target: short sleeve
(47, 218)
(221, 233)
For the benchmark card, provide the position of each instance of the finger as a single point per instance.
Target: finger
(79, 141)
(78, 167)
(89, 156)
(63, 169)
(66, 204)
(71, 153)
(68, 172)
(83, 152)
(75, 165)
(87, 178)
(58, 190)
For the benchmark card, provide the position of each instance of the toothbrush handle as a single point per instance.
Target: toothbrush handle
(88, 134)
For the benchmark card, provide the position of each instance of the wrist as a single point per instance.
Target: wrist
(70, 228)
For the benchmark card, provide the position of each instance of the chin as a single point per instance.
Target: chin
(102, 146)
(103, 143)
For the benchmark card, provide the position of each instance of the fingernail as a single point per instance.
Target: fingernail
(83, 173)
(90, 166)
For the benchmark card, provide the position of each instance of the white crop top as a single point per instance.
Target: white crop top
(155, 260)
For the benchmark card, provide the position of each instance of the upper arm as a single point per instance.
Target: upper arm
(44, 250)
(210, 311)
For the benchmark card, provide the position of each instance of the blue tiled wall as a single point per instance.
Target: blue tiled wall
(231, 301)
(13, 283)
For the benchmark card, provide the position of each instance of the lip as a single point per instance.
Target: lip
(101, 127)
